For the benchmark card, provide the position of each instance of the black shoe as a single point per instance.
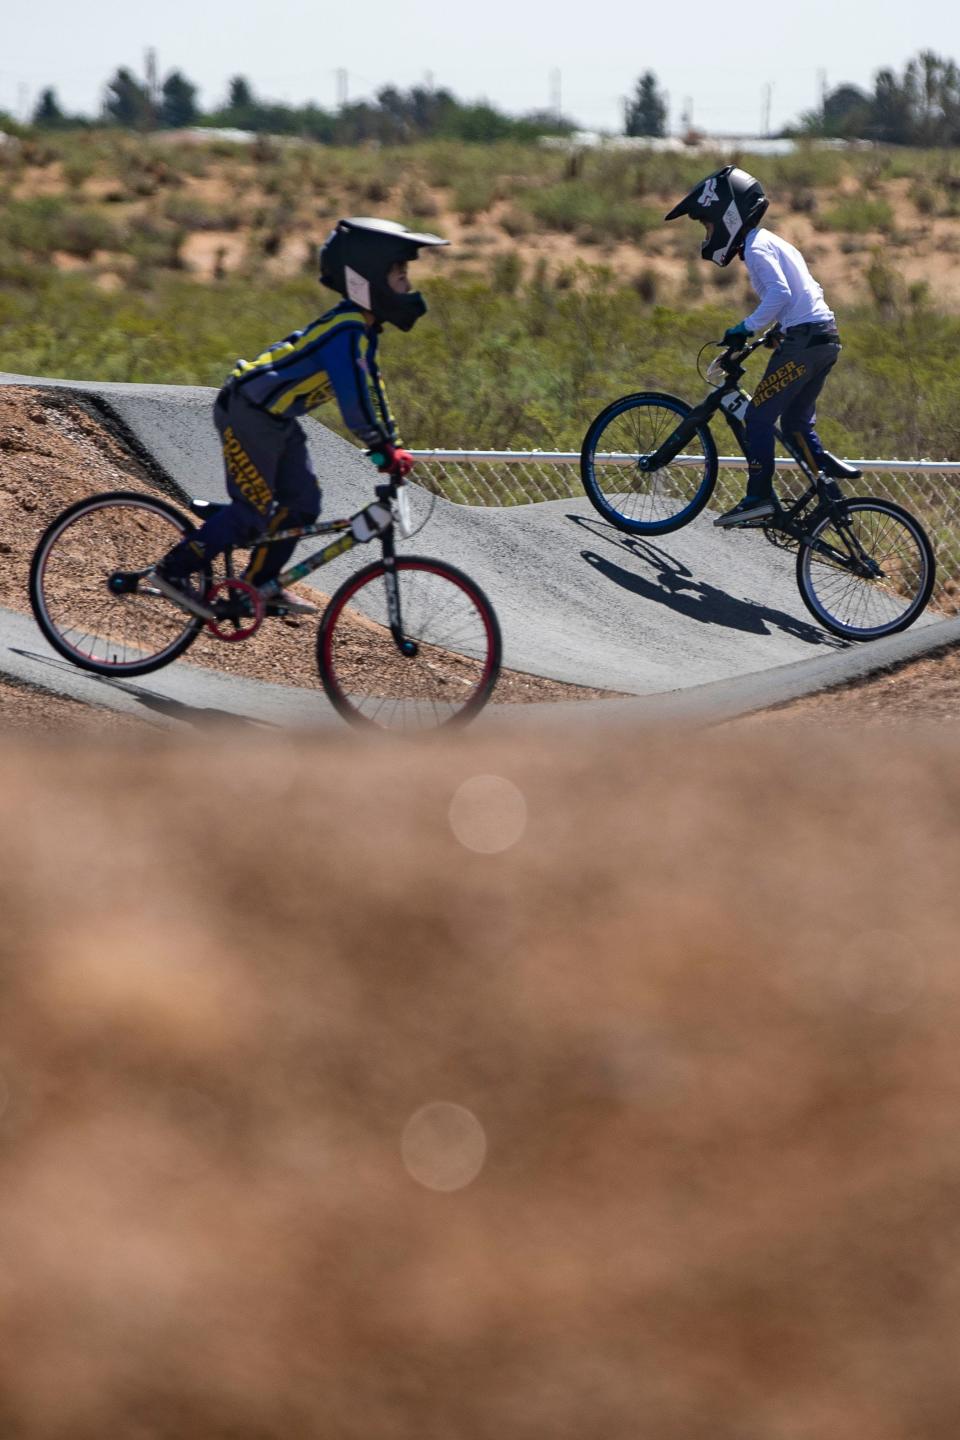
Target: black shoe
(181, 590)
(749, 510)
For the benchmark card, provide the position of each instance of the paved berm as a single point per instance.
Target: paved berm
(587, 613)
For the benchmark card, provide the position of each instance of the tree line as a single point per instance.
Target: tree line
(392, 117)
(920, 107)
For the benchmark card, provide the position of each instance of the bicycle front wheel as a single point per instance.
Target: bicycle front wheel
(84, 619)
(867, 570)
(453, 636)
(645, 502)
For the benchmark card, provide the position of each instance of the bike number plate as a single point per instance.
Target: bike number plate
(736, 403)
(403, 513)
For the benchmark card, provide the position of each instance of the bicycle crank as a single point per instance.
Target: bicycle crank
(235, 604)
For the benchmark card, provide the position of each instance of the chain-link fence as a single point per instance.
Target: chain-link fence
(929, 489)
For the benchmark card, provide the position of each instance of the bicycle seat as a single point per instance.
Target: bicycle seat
(206, 508)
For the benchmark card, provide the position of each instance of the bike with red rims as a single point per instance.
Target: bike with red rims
(407, 643)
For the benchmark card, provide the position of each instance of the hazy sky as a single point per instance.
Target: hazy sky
(721, 56)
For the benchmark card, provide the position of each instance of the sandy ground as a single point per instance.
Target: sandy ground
(485, 1089)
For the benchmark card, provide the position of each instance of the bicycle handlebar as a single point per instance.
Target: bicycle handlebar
(734, 355)
(767, 338)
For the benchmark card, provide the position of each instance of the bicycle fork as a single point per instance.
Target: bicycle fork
(406, 646)
(855, 558)
(672, 446)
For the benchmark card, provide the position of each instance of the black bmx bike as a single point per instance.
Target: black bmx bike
(407, 643)
(649, 465)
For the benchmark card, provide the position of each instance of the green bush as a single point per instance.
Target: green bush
(856, 215)
(592, 215)
(44, 225)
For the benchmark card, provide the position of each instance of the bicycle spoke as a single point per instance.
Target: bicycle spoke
(456, 659)
(107, 632)
(643, 500)
(880, 578)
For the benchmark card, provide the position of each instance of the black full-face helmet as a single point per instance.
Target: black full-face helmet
(729, 203)
(356, 257)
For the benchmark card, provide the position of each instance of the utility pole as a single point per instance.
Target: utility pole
(822, 86)
(556, 95)
(153, 88)
(765, 115)
(341, 88)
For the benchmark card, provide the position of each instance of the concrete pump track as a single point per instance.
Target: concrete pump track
(697, 625)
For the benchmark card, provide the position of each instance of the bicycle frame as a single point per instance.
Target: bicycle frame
(733, 401)
(372, 514)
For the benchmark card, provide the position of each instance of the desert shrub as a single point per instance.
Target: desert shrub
(924, 198)
(506, 272)
(517, 222)
(856, 215)
(883, 281)
(807, 168)
(590, 214)
(803, 201)
(46, 224)
(646, 283)
(473, 195)
(78, 168)
(376, 190)
(417, 201)
(189, 212)
(155, 242)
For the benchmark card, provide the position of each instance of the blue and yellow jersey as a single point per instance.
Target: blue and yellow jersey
(334, 358)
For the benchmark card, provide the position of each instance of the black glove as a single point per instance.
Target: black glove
(737, 336)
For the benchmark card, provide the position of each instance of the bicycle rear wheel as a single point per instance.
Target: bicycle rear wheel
(456, 639)
(639, 501)
(87, 622)
(866, 571)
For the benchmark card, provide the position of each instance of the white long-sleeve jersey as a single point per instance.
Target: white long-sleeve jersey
(787, 291)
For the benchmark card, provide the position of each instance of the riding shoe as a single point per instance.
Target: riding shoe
(748, 510)
(181, 591)
(278, 601)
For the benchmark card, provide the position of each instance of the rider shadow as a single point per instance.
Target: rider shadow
(674, 585)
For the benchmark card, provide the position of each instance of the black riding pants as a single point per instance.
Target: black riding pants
(788, 394)
(271, 483)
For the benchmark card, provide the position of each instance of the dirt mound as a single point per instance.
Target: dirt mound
(490, 1088)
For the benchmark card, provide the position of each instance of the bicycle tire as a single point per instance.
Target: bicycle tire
(895, 598)
(69, 597)
(690, 487)
(447, 682)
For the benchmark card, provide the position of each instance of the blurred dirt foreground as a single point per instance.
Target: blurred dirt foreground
(602, 1087)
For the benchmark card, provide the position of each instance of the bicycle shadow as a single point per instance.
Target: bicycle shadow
(196, 715)
(676, 587)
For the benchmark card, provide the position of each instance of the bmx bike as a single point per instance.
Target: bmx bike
(406, 643)
(649, 465)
